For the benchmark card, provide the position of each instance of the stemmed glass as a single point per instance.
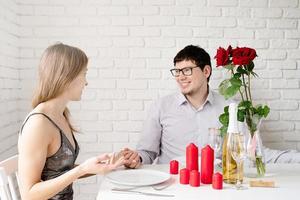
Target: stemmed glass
(215, 140)
(238, 152)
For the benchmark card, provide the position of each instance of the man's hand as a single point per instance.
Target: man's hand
(132, 158)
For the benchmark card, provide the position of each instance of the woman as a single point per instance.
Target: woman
(47, 146)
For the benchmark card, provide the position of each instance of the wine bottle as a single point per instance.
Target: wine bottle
(229, 165)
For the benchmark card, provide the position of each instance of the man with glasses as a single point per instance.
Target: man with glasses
(178, 119)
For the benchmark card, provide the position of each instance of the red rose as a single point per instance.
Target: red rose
(243, 56)
(229, 51)
(222, 57)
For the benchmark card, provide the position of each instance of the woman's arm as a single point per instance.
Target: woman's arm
(34, 144)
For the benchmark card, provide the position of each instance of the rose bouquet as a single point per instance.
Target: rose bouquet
(239, 62)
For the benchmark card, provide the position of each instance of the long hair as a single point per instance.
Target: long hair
(59, 66)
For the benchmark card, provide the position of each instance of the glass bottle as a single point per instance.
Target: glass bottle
(229, 165)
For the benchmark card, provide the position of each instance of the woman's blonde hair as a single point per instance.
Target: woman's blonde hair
(59, 66)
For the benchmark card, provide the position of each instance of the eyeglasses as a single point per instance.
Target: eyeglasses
(187, 71)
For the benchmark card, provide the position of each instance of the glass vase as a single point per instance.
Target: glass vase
(255, 161)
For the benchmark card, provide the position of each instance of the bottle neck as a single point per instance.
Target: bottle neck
(233, 122)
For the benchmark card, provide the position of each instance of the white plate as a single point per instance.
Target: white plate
(137, 177)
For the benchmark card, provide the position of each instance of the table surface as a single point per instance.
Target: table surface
(286, 177)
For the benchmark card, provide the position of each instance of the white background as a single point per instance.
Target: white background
(131, 45)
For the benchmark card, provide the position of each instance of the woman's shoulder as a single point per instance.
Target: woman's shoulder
(37, 124)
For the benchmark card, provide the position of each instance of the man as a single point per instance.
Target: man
(178, 119)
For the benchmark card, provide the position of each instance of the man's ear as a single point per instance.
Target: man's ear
(207, 70)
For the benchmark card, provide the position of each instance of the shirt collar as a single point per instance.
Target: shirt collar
(181, 99)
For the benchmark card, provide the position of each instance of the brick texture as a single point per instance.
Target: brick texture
(10, 84)
(131, 45)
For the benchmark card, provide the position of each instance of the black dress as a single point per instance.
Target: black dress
(61, 162)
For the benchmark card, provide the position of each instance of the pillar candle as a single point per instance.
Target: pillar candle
(173, 167)
(195, 178)
(184, 176)
(192, 157)
(207, 164)
(217, 182)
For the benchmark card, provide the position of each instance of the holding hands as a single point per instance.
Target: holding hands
(102, 164)
(105, 163)
(132, 158)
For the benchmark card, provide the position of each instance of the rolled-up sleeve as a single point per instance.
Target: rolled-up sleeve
(148, 146)
(282, 156)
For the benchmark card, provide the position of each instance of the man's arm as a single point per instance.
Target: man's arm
(281, 156)
(148, 146)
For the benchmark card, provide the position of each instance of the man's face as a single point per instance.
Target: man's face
(197, 82)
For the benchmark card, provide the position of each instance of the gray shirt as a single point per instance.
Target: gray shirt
(172, 124)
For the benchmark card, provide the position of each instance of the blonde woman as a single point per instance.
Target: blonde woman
(47, 146)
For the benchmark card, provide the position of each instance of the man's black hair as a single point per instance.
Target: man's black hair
(195, 54)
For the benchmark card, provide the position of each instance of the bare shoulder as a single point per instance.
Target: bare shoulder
(37, 130)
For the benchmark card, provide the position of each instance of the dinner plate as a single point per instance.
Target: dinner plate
(137, 177)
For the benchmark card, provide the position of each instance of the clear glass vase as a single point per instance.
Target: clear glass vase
(255, 161)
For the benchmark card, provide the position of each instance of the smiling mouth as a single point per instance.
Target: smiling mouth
(184, 84)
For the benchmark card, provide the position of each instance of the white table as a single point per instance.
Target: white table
(286, 177)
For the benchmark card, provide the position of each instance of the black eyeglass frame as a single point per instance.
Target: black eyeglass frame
(173, 71)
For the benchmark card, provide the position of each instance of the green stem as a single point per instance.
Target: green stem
(245, 87)
(249, 86)
(232, 72)
(260, 166)
(248, 111)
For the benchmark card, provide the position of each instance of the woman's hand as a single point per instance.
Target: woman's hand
(101, 164)
(132, 158)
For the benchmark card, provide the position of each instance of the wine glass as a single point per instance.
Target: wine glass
(238, 152)
(215, 141)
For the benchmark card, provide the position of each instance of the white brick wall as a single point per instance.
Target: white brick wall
(9, 78)
(131, 44)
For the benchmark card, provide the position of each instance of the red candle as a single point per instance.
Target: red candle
(217, 182)
(184, 176)
(192, 157)
(195, 178)
(174, 167)
(207, 164)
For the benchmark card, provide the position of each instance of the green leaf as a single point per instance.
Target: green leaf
(262, 111)
(229, 67)
(235, 82)
(259, 110)
(231, 91)
(224, 119)
(266, 111)
(237, 75)
(223, 86)
(254, 74)
(241, 115)
(223, 131)
(243, 105)
(229, 87)
(226, 108)
(241, 70)
(250, 66)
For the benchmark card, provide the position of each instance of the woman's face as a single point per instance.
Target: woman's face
(77, 85)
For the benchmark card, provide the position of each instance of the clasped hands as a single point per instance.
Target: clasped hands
(127, 157)
(130, 158)
(107, 162)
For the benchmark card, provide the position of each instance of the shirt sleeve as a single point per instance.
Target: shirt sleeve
(148, 146)
(280, 156)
